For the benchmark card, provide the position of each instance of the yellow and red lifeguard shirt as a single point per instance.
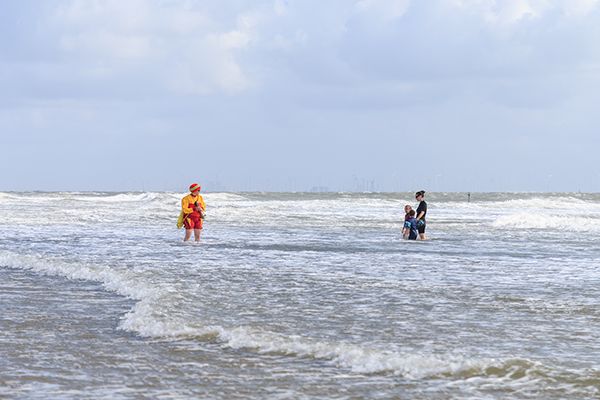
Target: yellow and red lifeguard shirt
(192, 218)
(188, 202)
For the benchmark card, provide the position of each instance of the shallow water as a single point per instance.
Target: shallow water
(300, 296)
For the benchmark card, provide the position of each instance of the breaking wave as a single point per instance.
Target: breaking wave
(547, 221)
(146, 320)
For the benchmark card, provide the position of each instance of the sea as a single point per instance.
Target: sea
(299, 296)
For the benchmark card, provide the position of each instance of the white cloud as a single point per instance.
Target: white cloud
(189, 47)
(579, 8)
(207, 65)
(385, 10)
(180, 45)
(455, 71)
(113, 15)
(507, 12)
(280, 7)
(103, 44)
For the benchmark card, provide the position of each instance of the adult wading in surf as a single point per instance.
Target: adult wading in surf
(192, 213)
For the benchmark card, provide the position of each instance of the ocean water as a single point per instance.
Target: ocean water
(298, 296)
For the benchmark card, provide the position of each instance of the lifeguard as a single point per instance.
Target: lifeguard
(192, 212)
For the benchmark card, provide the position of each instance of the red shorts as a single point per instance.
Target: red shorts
(192, 221)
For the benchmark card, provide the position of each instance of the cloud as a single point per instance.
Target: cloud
(267, 82)
(178, 44)
(465, 47)
(383, 10)
(579, 8)
(184, 47)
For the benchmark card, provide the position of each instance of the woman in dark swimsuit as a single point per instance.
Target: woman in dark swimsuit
(421, 213)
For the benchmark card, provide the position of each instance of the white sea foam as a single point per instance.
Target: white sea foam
(542, 203)
(547, 203)
(8, 196)
(146, 320)
(358, 358)
(123, 283)
(119, 197)
(154, 270)
(221, 196)
(547, 221)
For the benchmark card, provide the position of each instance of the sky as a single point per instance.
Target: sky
(300, 95)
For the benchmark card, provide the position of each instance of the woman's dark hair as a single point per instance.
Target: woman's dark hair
(420, 193)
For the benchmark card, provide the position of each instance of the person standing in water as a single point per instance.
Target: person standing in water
(421, 213)
(193, 208)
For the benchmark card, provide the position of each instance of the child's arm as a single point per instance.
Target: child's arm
(405, 230)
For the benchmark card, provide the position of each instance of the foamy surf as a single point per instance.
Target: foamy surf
(146, 320)
(304, 295)
(547, 221)
(358, 359)
(122, 283)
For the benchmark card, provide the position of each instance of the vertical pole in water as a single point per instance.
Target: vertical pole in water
(469, 197)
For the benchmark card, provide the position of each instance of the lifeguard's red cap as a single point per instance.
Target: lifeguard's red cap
(194, 187)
